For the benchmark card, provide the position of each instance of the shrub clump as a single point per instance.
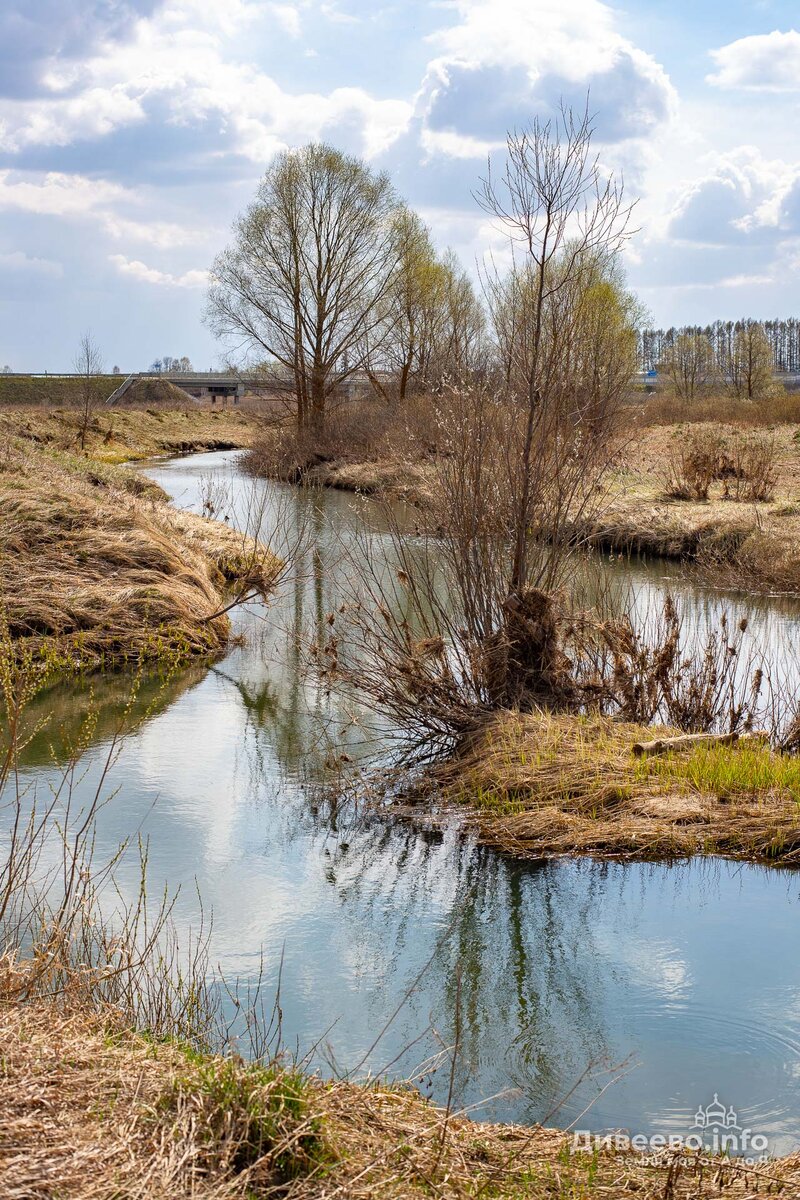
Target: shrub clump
(743, 464)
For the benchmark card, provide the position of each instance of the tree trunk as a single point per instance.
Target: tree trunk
(317, 415)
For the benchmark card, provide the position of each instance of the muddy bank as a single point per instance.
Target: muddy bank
(539, 785)
(97, 569)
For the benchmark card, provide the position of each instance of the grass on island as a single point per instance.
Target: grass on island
(541, 785)
(90, 1110)
(96, 568)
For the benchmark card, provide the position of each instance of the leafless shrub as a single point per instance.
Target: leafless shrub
(750, 471)
(745, 464)
(651, 671)
(695, 464)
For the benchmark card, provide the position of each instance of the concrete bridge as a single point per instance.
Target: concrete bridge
(210, 387)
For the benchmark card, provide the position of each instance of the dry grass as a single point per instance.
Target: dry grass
(541, 785)
(368, 446)
(92, 1111)
(753, 545)
(782, 408)
(121, 434)
(96, 568)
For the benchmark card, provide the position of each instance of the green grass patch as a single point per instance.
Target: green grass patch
(728, 772)
(249, 1112)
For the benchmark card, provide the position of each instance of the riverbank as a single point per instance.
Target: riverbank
(539, 785)
(740, 543)
(750, 544)
(117, 435)
(90, 1108)
(98, 569)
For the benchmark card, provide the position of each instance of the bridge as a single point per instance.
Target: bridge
(209, 386)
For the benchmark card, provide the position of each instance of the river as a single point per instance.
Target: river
(687, 974)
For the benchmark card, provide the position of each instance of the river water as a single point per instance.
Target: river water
(686, 976)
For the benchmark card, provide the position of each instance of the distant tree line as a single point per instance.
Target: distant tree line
(171, 366)
(782, 337)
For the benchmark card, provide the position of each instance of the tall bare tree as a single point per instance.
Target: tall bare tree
(308, 268)
(467, 624)
(88, 363)
(561, 213)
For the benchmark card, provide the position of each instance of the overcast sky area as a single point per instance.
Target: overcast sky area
(133, 131)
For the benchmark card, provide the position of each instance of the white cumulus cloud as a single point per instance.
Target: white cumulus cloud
(766, 62)
(505, 61)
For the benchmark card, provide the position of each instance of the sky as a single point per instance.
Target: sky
(132, 132)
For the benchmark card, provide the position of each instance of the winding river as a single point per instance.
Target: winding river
(639, 990)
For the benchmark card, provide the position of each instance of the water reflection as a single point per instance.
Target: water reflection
(692, 972)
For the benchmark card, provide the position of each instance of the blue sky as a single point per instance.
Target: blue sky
(133, 131)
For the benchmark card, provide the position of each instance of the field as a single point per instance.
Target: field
(127, 434)
(749, 543)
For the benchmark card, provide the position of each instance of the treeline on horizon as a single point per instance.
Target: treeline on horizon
(783, 336)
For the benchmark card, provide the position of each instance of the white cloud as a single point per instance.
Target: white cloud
(288, 17)
(59, 122)
(767, 62)
(161, 234)
(506, 60)
(177, 67)
(338, 16)
(144, 274)
(57, 194)
(742, 197)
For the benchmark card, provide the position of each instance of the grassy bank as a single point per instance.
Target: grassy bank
(126, 434)
(752, 544)
(90, 1109)
(538, 785)
(96, 568)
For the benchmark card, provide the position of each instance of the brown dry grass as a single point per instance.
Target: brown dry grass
(125, 433)
(368, 446)
(782, 408)
(96, 567)
(539, 785)
(92, 1111)
(754, 546)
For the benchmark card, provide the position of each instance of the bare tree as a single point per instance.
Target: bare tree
(748, 365)
(304, 279)
(688, 363)
(467, 623)
(560, 213)
(88, 364)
